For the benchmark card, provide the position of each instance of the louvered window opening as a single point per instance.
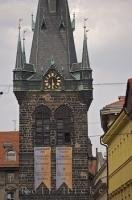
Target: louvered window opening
(64, 124)
(42, 126)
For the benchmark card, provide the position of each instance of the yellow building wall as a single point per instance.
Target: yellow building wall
(120, 177)
(124, 194)
(120, 158)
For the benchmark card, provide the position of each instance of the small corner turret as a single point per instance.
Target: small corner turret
(22, 70)
(83, 72)
(19, 56)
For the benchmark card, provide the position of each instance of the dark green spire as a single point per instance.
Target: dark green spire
(19, 56)
(85, 56)
(53, 36)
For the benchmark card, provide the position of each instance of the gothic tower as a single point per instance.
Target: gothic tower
(54, 93)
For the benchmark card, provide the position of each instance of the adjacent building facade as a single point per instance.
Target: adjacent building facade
(54, 93)
(118, 137)
(9, 165)
(100, 178)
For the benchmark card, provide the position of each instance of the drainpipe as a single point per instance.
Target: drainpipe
(106, 146)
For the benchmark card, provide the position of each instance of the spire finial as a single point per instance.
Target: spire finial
(85, 57)
(23, 51)
(85, 27)
(19, 27)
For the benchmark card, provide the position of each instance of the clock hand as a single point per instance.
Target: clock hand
(52, 84)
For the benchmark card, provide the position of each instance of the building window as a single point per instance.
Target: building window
(11, 156)
(42, 126)
(67, 138)
(10, 177)
(10, 196)
(64, 122)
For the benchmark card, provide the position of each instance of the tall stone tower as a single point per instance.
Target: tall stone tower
(54, 93)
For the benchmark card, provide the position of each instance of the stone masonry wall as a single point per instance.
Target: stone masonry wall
(28, 102)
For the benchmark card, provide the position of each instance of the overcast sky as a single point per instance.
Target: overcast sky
(109, 43)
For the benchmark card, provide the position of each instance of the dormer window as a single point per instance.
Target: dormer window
(52, 6)
(11, 156)
(43, 25)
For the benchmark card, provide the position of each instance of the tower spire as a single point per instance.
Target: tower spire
(85, 56)
(52, 40)
(19, 56)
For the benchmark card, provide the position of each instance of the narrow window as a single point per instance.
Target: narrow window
(63, 116)
(42, 126)
(67, 138)
(10, 178)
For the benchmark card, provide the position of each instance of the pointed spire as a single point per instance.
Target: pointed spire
(23, 50)
(85, 56)
(19, 56)
(54, 42)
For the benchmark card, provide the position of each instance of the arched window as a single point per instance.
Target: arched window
(11, 155)
(42, 126)
(64, 123)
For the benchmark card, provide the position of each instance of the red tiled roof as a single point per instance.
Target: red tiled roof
(7, 139)
(119, 103)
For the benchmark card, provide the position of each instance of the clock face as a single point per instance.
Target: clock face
(52, 81)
